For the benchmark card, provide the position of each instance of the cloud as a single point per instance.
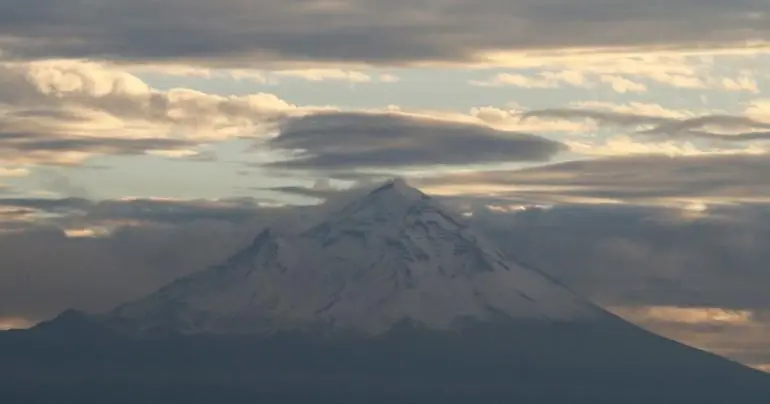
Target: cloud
(743, 83)
(11, 323)
(346, 141)
(389, 78)
(738, 334)
(678, 68)
(40, 148)
(13, 172)
(327, 74)
(64, 112)
(624, 145)
(555, 79)
(758, 109)
(106, 96)
(691, 315)
(699, 279)
(644, 109)
(84, 212)
(547, 79)
(96, 273)
(620, 118)
(240, 33)
(720, 127)
(643, 257)
(510, 119)
(637, 179)
(621, 84)
(102, 253)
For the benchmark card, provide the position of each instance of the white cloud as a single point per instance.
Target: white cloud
(742, 83)
(510, 119)
(174, 153)
(759, 109)
(625, 145)
(351, 76)
(86, 232)
(516, 80)
(13, 172)
(389, 78)
(623, 85)
(687, 315)
(640, 108)
(71, 110)
(14, 323)
(546, 79)
(675, 68)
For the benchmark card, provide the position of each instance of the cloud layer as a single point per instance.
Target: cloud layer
(635, 180)
(237, 32)
(715, 127)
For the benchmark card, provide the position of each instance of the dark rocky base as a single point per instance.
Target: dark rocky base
(522, 362)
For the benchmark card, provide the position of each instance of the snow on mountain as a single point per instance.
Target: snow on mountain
(396, 254)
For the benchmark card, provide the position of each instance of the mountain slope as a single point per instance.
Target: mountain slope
(394, 255)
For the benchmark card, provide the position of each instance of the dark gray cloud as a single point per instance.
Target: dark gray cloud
(33, 142)
(152, 243)
(44, 271)
(85, 212)
(345, 141)
(48, 205)
(643, 256)
(51, 148)
(754, 130)
(732, 128)
(636, 179)
(633, 258)
(317, 193)
(237, 31)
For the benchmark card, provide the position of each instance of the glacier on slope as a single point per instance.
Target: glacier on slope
(394, 255)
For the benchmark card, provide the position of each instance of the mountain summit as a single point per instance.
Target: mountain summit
(393, 255)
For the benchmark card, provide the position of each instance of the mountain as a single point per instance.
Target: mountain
(395, 255)
(392, 298)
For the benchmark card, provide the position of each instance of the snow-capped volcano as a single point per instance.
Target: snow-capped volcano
(483, 329)
(395, 254)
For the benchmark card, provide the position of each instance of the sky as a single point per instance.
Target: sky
(620, 145)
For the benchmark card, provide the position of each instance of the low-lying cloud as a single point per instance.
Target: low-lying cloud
(635, 179)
